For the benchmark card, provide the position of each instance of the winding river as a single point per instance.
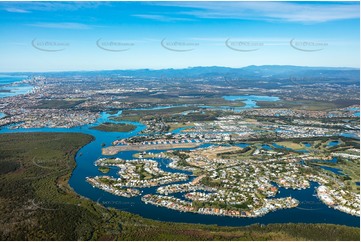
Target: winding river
(310, 210)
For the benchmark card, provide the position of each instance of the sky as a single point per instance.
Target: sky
(65, 36)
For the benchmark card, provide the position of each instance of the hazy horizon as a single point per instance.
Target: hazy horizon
(190, 67)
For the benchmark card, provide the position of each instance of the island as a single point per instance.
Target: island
(229, 180)
(115, 127)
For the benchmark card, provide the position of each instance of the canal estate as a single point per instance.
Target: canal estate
(164, 186)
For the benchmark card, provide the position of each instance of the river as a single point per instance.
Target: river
(311, 210)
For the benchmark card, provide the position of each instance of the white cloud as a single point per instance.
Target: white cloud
(16, 10)
(66, 25)
(160, 17)
(280, 11)
(29, 6)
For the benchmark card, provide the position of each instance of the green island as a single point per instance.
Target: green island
(110, 127)
(37, 202)
(104, 169)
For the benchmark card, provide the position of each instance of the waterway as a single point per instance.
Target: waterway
(12, 86)
(333, 143)
(311, 210)
(333, 170)
(356, 111)
(333, 160)
(248, 100)
(251, 100)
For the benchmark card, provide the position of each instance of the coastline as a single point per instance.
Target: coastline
(183, 206)
(16, 87)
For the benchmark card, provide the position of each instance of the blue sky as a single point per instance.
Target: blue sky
(55, 36)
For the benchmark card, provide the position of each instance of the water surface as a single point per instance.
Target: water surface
(337, 171)
(311, 210)
(250, 101)
(333, 143)
(12, 86)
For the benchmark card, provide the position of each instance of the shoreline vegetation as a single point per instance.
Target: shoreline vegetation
(111, 127)
(104, 169)
(37, 201)
(113, 150)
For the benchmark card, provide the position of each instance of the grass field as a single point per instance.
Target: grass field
(291, 145)
(37, 203)
(352, 169)
(177, 125)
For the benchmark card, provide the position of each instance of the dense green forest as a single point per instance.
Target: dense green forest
(36, 203)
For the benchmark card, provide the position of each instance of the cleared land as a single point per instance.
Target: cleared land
(176, 125)
(291, 145)
(213, 153)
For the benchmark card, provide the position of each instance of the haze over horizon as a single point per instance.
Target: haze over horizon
(185, 68)
(86, 36)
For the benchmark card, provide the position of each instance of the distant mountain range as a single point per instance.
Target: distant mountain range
(249, 72)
